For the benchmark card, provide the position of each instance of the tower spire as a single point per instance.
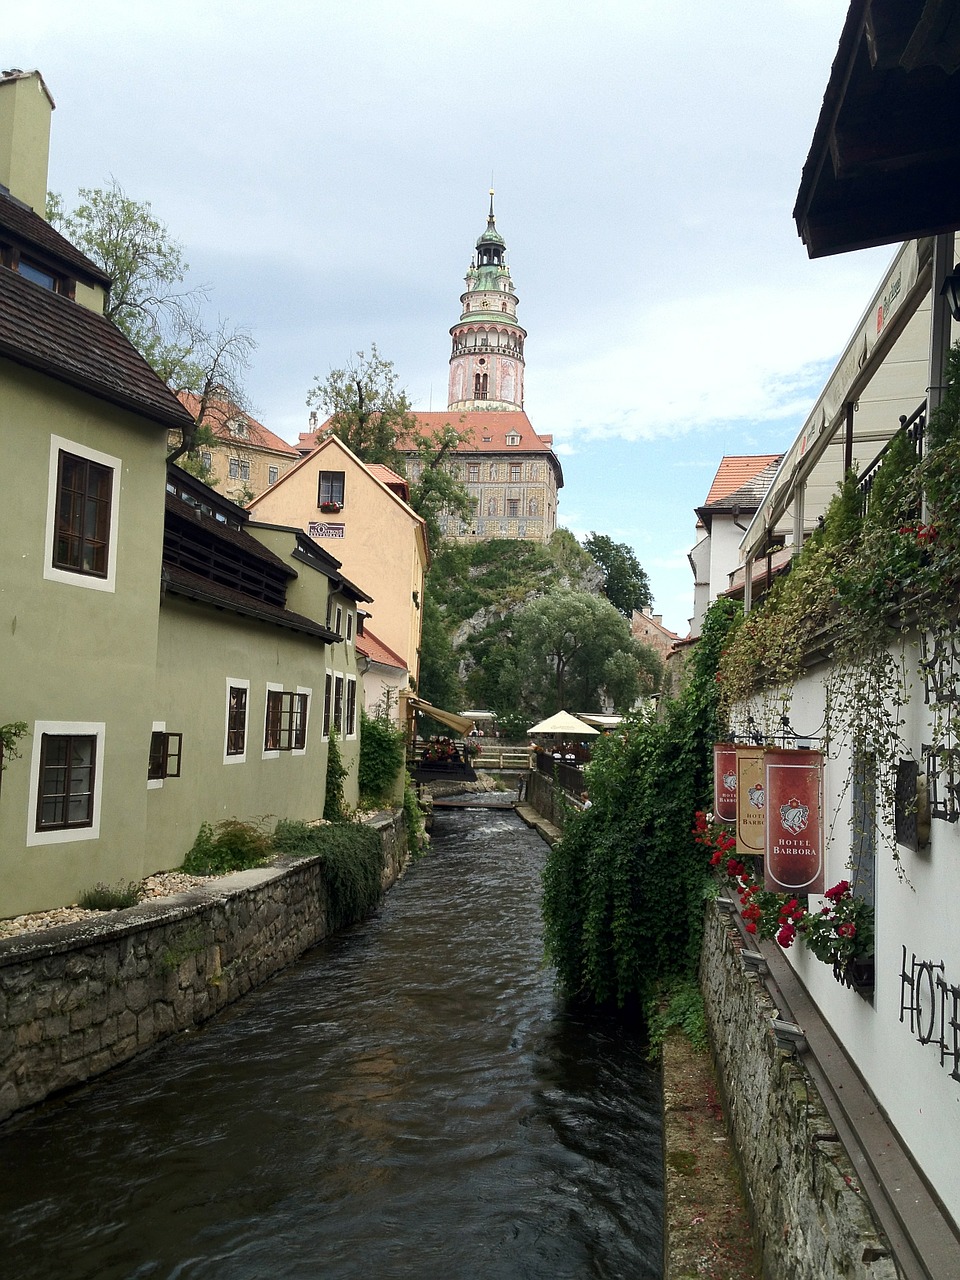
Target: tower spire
(486, 361)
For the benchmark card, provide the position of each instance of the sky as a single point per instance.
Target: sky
(325, 166)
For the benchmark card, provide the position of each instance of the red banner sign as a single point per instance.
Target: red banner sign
(725, 782)
(751, 805)
(794, 832)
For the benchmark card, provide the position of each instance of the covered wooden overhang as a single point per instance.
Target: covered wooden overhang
(884, 163)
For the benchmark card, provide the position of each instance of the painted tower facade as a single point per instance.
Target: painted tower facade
(486, 360)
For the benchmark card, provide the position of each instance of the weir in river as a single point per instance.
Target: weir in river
(412, 1099)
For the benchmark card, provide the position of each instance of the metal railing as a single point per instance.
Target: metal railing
(914, 428)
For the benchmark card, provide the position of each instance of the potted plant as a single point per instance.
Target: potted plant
(331, 508)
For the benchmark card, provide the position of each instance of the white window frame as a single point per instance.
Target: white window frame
(236, 683)
(61, 728)
(269, 687)
(302, 751)
(351, 682)
(66, 576)
(158, 726)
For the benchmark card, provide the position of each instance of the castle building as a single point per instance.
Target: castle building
(510, 471)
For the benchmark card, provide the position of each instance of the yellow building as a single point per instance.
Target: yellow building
(244, 458)
(359, 515)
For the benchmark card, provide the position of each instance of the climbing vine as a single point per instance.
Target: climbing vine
(624, 887)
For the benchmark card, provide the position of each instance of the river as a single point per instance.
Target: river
(410, 1100)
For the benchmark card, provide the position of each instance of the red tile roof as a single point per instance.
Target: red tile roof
(372, 647)
(222, 412)
(735, 471)
(488, 431)
(390, 478)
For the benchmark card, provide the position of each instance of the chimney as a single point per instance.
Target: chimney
(25, 110)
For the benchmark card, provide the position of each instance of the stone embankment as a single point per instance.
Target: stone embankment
(81, 997)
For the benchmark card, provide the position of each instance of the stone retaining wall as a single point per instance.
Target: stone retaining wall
(544, 796)
(810, 1219)
(81, 998)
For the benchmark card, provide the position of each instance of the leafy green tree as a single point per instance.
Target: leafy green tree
(437, 490)
(368, 411)
(152, 304)
(567, 644)
(625, 582)
(439, 675)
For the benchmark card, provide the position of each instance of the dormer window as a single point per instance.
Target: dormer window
(30, 271)
(513, 438)
(238, 428)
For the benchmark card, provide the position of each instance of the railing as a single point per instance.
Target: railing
(565, 773)
(492, 757)
(914, 428)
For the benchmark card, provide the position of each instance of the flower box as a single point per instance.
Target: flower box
(330, 508)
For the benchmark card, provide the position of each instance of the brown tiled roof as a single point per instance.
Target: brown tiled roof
(735, 471)
(372, 647)
(221, 412)
(239, 538)
(390, 478)
(181, 582)
(48, 332)
(20, 221)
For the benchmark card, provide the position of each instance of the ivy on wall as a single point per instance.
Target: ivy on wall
(624, 887)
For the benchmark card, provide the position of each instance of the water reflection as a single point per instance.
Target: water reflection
(408, 1101)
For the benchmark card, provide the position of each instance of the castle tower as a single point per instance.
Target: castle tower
(486, 362)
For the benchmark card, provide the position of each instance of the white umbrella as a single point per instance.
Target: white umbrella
(563, 722)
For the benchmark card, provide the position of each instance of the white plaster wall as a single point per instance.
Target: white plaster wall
(917, 910)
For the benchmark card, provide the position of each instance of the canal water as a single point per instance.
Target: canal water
(410, 1100)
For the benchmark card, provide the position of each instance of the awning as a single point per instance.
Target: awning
(459, 724)
(563, 722)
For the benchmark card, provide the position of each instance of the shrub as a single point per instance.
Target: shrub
(109, 897)
(351, 862)
(334, 804)
(230, 846)
(381, 758)
(413, 818)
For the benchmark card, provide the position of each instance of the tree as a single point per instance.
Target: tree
(625, 583)
(438, 491)
(371, 414)
(150, 302)
(439, 677)
(366, 408)
(568, 645)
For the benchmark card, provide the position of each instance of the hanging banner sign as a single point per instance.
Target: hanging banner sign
(751, 806)
(725, 781)
(794, 840)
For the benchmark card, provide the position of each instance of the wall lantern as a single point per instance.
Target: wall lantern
(789, 1036)
(950, 289)
(754, 962)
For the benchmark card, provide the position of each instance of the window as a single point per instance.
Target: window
(338, 704)
(516, 471)
(238, 428)
(273, 475)
(165, 749)
(236, 743)
(285, 727)
(473, 471)
(350, 728)
(30, 271)
(338, 625)
(513, 508)
(84, 499)
(239, 469)
(327, 696)
(512, 438)
(206, 460)
(349, 625)
(330, 488)
(65, 793)
(480, 381)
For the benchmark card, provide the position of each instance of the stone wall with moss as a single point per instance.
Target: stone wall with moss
(82, 998)
(810, 1219)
